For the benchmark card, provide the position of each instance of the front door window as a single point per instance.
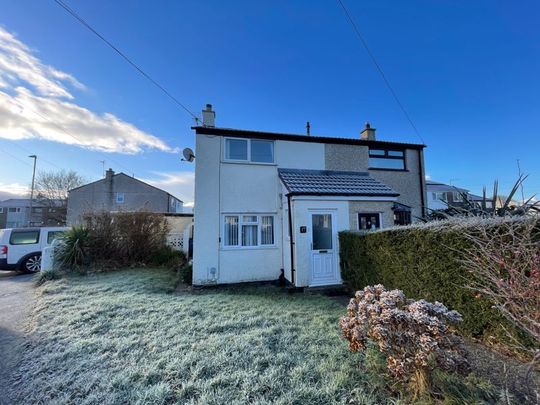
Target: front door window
(322, 231)
(367, 222)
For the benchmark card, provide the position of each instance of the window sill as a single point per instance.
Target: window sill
(242, 248)
(243, 162)
(387, 170)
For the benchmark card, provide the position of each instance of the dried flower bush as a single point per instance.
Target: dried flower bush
(413, 335)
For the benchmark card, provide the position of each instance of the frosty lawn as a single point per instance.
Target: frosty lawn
(126, 337)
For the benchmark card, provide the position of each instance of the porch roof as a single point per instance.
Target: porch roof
(329, 182)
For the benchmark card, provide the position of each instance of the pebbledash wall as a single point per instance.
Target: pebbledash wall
(223, 187)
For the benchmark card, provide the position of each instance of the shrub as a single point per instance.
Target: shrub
(73, 249)
(426, 262)
(169, 257)
(506, 269)
(413, 335)
(122, 239)
(43, 276)
(186, 274)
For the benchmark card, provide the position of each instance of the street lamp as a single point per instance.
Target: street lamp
(32, 190)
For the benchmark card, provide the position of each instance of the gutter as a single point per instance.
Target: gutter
(291, 235)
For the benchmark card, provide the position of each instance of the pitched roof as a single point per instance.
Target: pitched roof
(129, 177)
(242, 133)
(329, 182)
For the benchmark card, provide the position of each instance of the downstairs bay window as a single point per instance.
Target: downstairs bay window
(245, 231)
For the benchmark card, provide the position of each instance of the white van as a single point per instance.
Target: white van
(20, 248)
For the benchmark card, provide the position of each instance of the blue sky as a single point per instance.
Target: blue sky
(467, 72)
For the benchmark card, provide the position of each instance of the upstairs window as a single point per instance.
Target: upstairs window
(120, 198)
(249, 150)
(386, 159)
(236, 149)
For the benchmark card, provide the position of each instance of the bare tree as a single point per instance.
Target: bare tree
(52, 190)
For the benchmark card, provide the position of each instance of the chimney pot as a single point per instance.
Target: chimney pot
(208, 116)
(368, 133)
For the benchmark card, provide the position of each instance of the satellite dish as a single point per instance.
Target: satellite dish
(188, 155)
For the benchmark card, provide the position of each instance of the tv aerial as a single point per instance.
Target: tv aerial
(188, 155)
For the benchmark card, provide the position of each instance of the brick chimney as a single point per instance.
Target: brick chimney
(109, 175)
(208, 117)
(368, 133)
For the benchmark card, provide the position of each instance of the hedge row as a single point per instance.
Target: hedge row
(424, 262)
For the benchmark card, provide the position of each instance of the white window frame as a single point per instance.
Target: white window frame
(248, 160)
(123, 199)
(241, 222)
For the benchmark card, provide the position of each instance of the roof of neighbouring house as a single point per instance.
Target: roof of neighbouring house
(130, 178)
(243, 133)
(436, 186)
(329, 182)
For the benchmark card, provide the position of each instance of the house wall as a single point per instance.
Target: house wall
(409, 183)
(382, 207)
(101, 195)
(240, 188)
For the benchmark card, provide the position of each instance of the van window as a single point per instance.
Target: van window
(52, 235)
(24, 237)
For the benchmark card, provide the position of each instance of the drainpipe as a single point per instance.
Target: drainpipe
(291, 235)
(422, 180)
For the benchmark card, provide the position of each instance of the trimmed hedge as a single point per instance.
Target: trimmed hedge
(424, 262)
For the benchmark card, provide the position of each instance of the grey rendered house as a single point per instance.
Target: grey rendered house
(268, 203)
(119, 192)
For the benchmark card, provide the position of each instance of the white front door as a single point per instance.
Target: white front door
(323, 249)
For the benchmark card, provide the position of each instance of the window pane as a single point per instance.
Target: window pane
(381, 163)
(249, 235)
(262, 151)
(378, 152)
(230, 234)
(249, 218)
(24, 237)
(322, 231)
(368, 221)
(236, 149)
(54, 235)
(395, 153)
(267, 230)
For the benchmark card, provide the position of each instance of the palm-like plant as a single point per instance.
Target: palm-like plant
(500, 206)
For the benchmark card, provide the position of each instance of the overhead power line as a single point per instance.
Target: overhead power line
(126, 58)
(379, 68)
(14, 157)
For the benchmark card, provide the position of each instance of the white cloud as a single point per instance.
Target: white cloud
(179, 184)
(13, 190)
(36, 102)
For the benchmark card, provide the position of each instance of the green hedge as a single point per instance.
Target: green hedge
(424, 262)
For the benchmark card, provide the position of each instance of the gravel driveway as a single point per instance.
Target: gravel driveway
(16, 301)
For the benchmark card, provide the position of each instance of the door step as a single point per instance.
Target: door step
(330, 290)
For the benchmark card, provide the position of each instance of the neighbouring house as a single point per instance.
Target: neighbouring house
(17, 212)
(119, 192)
(441, 196)
(268, 203)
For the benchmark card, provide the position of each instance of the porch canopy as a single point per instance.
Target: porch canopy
(333, 183)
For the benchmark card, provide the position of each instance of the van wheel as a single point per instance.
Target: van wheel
(32, 264)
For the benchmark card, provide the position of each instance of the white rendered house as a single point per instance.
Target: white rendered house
(269, 203)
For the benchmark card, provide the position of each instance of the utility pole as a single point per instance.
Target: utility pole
(32, 190)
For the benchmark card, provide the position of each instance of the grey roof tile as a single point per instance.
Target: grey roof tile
(329, 182)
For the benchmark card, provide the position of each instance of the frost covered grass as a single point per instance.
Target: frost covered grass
(125, 337)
